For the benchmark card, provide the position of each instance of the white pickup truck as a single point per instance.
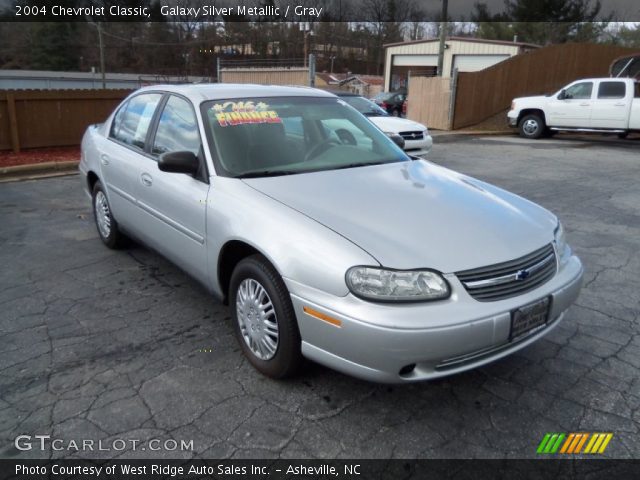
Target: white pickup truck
(605, 105)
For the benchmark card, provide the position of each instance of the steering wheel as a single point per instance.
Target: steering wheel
(346, 137)
(321, 147)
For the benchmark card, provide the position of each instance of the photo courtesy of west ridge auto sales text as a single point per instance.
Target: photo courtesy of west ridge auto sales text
(287, 239)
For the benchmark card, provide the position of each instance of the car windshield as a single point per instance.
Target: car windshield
(365, 107)
(255, 137)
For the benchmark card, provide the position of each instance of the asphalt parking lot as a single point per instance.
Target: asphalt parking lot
(104, 345)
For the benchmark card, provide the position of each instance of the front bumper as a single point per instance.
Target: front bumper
(376, 341)
(512, 119)
(419, 147)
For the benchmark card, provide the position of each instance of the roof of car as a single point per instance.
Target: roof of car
(214, 91)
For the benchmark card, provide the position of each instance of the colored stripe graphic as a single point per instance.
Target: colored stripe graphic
(573, 443)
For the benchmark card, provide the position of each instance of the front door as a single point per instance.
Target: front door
(174, 204)
(574, 110)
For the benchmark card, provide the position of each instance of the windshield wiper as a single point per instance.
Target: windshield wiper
(266, 173)
(361, 164)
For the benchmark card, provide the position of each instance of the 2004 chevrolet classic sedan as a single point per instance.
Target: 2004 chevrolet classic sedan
(327, 241)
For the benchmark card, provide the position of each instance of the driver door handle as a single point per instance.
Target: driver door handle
(585, 104)
(146, 179)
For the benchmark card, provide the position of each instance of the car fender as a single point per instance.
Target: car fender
(300, 248)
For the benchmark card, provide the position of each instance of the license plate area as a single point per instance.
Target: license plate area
(528, 318)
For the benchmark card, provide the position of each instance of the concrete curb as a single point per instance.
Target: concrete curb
(446, 136)
(38, 170)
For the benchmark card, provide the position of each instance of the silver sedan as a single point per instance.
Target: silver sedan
(326, 240)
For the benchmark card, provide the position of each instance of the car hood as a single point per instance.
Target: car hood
(396, 125)
(535, 100)
(416, 214)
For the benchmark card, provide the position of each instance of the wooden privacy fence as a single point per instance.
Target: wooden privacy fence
(52, 118)
(266, 76)
(429, 100)
(479, 95)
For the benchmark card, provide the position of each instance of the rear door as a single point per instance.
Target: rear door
(174, 205)
(612, 105)
(574, 110)
(122, 154)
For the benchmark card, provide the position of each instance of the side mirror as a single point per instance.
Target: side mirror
(397, 139)
(179, 162)
(562, 95)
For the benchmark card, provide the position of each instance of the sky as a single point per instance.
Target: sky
(625, 10)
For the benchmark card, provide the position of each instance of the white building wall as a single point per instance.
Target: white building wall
(456, 47)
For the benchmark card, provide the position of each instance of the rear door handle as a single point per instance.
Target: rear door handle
(146, 179)
(585, 104)
(619, 104)
(104, 159)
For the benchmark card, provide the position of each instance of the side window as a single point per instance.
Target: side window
(132, 121)
(177, 128)
(117, 120)
(580, 91)
(611, 90)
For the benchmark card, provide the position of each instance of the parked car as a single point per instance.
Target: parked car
(356, 256)
(391, 102)
(604, 105)
(417, 140)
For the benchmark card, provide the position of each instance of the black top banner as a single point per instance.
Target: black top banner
(311, 10)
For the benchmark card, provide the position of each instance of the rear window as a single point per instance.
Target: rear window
(611, 90)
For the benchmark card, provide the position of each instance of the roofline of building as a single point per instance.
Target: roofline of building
(56, 75)
(464, 39)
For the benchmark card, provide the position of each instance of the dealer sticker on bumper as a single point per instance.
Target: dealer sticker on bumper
(529, 317)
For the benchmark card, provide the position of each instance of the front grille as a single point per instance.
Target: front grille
(417, 135)
(509, 279)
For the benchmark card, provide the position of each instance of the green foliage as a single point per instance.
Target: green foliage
(542, 21)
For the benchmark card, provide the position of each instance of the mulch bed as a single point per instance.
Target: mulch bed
(39, 155)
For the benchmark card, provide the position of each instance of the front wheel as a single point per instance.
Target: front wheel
(531, 126)
(263, 318)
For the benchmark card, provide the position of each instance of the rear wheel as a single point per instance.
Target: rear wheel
(531, 126)
(105, 223)
(263, 318)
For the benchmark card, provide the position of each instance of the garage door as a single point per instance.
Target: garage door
(415, 60)
(473, 63)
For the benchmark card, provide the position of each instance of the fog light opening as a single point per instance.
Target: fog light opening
(407, 370)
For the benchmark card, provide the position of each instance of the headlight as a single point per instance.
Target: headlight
(561, 242)
(385, 285)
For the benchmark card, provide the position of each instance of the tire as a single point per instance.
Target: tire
(254, 284)
(106, 225)
(531, 126)
(623, 135)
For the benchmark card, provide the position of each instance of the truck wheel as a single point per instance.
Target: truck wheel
(531, 126)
